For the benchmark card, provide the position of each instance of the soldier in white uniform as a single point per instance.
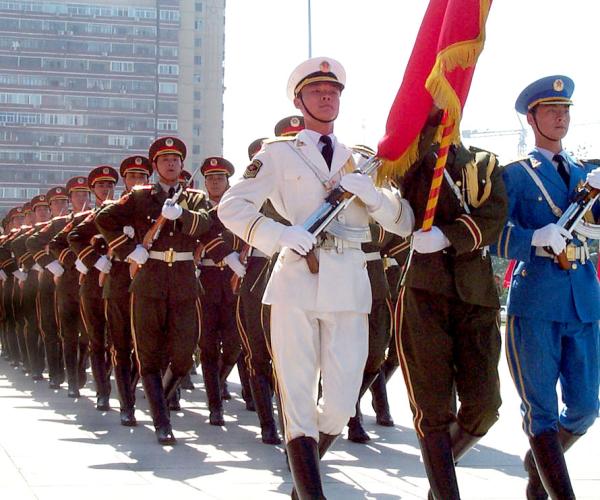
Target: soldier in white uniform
(319, 321)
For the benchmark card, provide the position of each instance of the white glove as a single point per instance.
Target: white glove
(233, 261)
(129, 231)
(362, 186)
(81, 267)
(103, 264)
(3, 276)
(553, 236)
(55, 268)
(171, 212)
(298, 239)
(20, 275)
(430, 241)
(593, 178)
(139, 255)
(37, 267)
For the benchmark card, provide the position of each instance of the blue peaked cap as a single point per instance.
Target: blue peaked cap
(556, 89)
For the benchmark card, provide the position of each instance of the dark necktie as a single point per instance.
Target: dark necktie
(562, 169)
(327, 150)
(171, 192)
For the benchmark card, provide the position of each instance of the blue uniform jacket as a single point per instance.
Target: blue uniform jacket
(539, 288)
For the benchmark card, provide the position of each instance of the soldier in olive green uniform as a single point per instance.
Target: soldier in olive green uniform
(72, 330)
(449, 333)
(89, 246)
(115, 283)
(58, 202)
(164, 291)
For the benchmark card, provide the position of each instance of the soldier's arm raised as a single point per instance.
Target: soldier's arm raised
(113, 218)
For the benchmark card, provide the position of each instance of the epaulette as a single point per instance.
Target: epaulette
(592, 161)
(475, 150)
(196, 191)
(363, 150)
(140, 187)
(108, 202)
(282, 138)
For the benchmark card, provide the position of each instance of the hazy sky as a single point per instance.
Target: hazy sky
(526, 39)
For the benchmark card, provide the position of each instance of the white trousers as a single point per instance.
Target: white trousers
(306, 344)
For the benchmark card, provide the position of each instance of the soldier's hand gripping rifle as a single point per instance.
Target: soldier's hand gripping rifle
(154, 232)
(572, 219)
(336, 201)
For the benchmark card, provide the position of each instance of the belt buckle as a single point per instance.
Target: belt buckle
(571, 252)
(169, 257)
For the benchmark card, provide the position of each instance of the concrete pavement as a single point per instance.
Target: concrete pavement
(52, 448)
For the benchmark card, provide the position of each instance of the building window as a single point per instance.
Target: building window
(198, 6)
(169, 51)
(196, 149)
(197, 60)
(197, 113)
(168, 69)
(165, 124)
(198, 42)
(120, 140)
(167, 88)
(121, 67)
(169, 15)
(198, 24)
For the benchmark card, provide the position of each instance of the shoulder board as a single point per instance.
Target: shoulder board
(196, 191)
(517, 162)
(591, 161)
(283, 138)
(108, 202)
(475, 149)
(141, 187)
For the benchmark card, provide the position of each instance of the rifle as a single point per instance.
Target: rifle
(236, 281)
(572, 219)
(335, 202)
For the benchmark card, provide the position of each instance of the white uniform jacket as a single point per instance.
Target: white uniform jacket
(281, 173)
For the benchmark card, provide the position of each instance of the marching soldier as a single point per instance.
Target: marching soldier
(219, 341)
(61, 263)
(58, 202)
(135, 171)
(553, 313)
(164, 291)
(449, 332)
(89, 246)
(318, 321)
(34, 342)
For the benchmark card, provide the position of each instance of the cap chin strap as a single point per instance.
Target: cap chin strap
(313, 116)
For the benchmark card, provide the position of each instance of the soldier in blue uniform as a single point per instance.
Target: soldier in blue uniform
(552, 328)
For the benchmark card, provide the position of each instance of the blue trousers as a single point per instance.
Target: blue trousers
(540, 354)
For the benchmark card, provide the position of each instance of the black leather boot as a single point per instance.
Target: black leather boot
(262, 394)
(356, 432)
(186, 383)
(213, 395)
(54, 367)
(303, 457)
(245, 382)
(461, 440)
(70, 354)
(126, 398)
(82, 363)
(158, 408)
(171, 387)
(549, 467)
(436, 449)
(380, 401)
(325, 442)
(98, 362)
(224, 371)
(535, 488)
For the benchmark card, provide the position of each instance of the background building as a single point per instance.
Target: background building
(85, 84)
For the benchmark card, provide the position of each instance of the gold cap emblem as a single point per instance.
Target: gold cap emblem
(324, 66)
(80, 181)
(138, 161)
(105, 170)
(59, 190)
(213, 162)
(295, 122)
(169, 142)
(558, 85)
(42, 197)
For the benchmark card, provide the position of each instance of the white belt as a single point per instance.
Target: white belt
(372, 256)
(211, 263)
(573, 253)
(326, 241)
(171, 256)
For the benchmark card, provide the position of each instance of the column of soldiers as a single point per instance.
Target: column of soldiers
(138, 283)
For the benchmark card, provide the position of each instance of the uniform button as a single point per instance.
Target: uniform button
(458, 183)
(539, 198)
(148, 217)
(483, 181)
(573, 266)
(171, 233)
(524, 272)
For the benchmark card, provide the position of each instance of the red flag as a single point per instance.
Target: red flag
(439, 72)
(508, 274)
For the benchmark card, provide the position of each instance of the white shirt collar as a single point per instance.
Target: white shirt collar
(316, 136)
